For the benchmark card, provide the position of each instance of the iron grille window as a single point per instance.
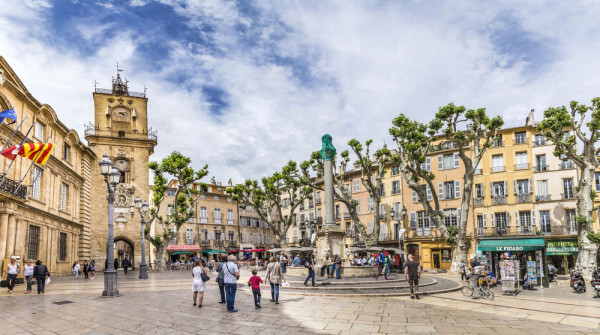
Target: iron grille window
(34, 234)
(62, 247)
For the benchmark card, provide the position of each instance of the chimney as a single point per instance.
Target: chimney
(529, 121)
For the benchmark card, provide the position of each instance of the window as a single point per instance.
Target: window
(216, 197)
(337, 212)
(540, 163)
(497, 141)
(450, 217)
(357, 206)
(545, 222)
(520, 137)
(500, 220)
(449, 190)
(66, 152)
(169, 210)
(479, 191)
(36, 181)
(569, 221)
(542, 190)
(597, 181)
(319, 212)
(121, 134)
(427, 164)
(39, 131)
(568, 192)
(480, 222)
(230, 216)
(64, 195)
(395, 170)
(62, 247)
(498, 189)
(565, 163)
(525, 219)
(396, 187)
(34, 235)
(540, 139)
(370, 227)
(370, 205)
(171, 192)
(383, 232)
(522, 187)
(203, 215)
(422, 220)
(189, 236)
(521, 161)
(448, 162)
(355, 185)
(318, 197)
(497, 163)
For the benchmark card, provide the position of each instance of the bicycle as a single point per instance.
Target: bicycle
(484, 291)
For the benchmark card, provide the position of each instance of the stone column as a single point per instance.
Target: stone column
(11, 236)
(3, 237)
(329, 189)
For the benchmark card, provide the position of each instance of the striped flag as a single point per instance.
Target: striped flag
(38, 151)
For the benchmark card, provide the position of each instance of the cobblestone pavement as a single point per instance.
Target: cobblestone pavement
(163, 305)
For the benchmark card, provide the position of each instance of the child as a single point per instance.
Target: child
(255, 283)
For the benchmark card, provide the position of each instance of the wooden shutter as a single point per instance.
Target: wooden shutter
(456, 160)
(491, 189)
(413, 220)
(458, 210)
(516, 218)
(457, 189)
(428, 190)
(532, 218)
(505, 187)
(484, 220)
(428, 164)
(441, 191)
(431, 223)
(414, 197)
(493, 220)
(515, 187)
(530, 186)
(507, 219)
(440, 162)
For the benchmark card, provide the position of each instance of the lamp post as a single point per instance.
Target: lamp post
(143, 210)
(112, 178)
(400, 220)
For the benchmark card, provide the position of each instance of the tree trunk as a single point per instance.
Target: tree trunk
(159, 262)
(459, 252)
(588, 250)
(460, 248)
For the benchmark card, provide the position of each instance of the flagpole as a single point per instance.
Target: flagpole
(34, 180)
(19, 148)
(32, 162)
(13, 134)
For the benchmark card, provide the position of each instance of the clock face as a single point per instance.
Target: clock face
(120, 114)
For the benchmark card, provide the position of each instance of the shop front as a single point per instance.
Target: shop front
(527, 252)
(432, 254)
(562, 253)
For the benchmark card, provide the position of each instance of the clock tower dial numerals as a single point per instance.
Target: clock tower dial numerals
(120, 114)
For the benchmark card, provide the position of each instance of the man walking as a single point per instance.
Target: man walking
(231, 273)
(412, 273)
(310, 265)
(381, 260)
(125, 264)
(475, 276)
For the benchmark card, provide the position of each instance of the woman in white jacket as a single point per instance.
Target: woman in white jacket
(274, 277)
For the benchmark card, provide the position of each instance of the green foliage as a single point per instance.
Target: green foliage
(582, 221)
(594, 237)
(452, 232)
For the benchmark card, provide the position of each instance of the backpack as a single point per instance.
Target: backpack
(307, 264)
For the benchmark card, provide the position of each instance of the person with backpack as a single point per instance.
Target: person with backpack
(40, 271)
(309, 263)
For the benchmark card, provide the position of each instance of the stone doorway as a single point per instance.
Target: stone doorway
(123, 249)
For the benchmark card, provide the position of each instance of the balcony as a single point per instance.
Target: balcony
(480, 231)
(232, 244)
(319, 219)
(566, 165)
(218, 221)
(521, 198)
(499, 200)
(527, 230)
(203, 220)
(522, 166)
(496, 169)
(395, 191)
(543, 197)
(219, 243)
(91, 130)
(205, 243)
(497, 143)
(521, 140)
(423, 231)
(501, 231)
(539, 142)
(571, 229)
(541, 168)
(478, 201)
(568, 195)
(10, 186)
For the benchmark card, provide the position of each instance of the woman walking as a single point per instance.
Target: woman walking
(28, 269)
(40, 272)
(76, 268)
(92, 268)
(86, 269)
(198, 285)
(11, 277)
(274, 277)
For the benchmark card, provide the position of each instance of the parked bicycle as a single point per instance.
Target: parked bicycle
(484, 290)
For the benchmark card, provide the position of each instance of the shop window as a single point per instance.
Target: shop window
(446, 256)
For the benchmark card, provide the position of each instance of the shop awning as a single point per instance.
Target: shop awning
(190, 248)
(562, 248)
(182, 253)
(514, 245)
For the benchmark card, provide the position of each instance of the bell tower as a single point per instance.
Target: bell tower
(121, 130)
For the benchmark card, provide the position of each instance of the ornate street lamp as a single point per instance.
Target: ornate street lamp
(111, 178)
(143, 210)
(401, 218)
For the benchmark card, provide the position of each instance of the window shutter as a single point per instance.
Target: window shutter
(413, 220)
(457, 189)
(440, 162)
(441, 191)
(482, 190)
(515, 186)
(507, 219)
(429, 195)
(382, 209)
(491, 189)
(484, 220)
(530, 186)
(428, 164)
(493, 220)
(505, 187)
(516, 219)
(532, 218)
(431, 223)
(458, 210)
(456, 160)
(414, 196)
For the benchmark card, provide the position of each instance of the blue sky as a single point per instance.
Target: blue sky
(245, 86)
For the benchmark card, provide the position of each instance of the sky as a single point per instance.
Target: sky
(245, 86)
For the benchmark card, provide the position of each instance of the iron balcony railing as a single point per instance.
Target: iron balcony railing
(497, 143)
(205, 242)
(522, 166)
(480, 231)
(91, 130)
(423, 231)
(10, 186)
(523, 198)
(568, 195)
(496, 169)
(566, 165)
(526, 230)
(541, 168)
(499, 200)
(543, 197)
(501, 231)
(478, 201)
(521, 140)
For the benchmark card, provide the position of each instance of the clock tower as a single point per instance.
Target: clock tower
(120, 129)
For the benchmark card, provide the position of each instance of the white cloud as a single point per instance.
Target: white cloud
(368, 63)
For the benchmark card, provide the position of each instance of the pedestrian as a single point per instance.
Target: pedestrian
(463, 270)
(116, 263)
(198, 285)
(274, 277)
(86, 269)
(381, 260)
(40, 271)
(325, 266)
(310, 265)
(412, 273)
(76, 269)
(220, 281)
(337, 261)
(231, 274)
(125, 265)
(283, 263)
(475, 272)
(11, 277)
(28, 270)
(296, 261)
(254, 283)
(92, 268)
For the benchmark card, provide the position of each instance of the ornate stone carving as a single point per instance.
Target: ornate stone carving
(121, 152)
(124, 195)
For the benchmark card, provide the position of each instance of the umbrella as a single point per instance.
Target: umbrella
(218, 251)
(182, 253)
(206, 250)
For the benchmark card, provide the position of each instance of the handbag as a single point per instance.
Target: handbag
(285, 284)
(204, 277)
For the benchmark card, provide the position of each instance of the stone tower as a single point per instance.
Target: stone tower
(121, 130)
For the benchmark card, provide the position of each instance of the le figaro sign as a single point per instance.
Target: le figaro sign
(509, 248)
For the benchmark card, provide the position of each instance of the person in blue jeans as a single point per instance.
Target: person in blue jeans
(220, 277)
(231, 274)
(337, 263)
(283, 263)
(310, 265)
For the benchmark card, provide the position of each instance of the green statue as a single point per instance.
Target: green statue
(328, 151)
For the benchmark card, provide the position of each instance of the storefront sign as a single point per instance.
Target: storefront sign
(562, 247)
(509, 248)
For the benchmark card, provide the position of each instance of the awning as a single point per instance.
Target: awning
(218, 251)
(190, 248)
(515, 245)
(562, 247)
(182, 253)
